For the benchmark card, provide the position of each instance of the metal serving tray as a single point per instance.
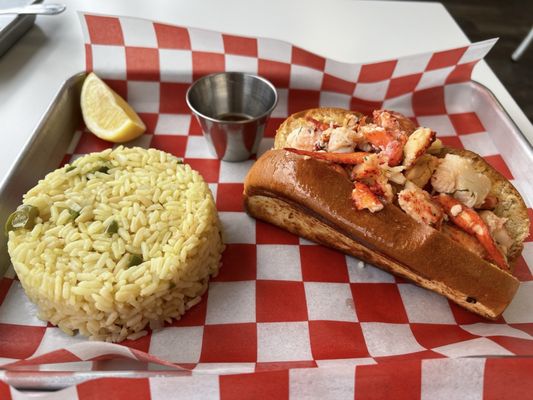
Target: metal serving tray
(48, 145)
(12, 27)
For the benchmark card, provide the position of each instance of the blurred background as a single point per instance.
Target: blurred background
(510, 20)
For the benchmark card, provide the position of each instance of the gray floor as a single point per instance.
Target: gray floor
(510, 20)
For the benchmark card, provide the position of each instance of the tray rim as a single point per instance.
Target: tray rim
(528, 139)
(36, 132)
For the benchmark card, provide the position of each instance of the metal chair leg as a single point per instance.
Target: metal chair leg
(517, 54)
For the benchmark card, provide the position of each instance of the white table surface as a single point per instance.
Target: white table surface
(347, 30)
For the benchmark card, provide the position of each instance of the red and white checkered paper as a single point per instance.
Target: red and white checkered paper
(286, 316)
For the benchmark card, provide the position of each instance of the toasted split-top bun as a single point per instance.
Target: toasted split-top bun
(312, 199)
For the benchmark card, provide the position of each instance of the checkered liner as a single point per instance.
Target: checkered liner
(282, 306)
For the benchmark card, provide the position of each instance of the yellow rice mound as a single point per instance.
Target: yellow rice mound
(96, 214)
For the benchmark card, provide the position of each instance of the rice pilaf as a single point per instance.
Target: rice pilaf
(124, 239)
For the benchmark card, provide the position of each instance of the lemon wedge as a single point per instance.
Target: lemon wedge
(106, 114)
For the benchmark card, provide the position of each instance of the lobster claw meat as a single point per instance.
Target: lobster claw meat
(469, 220)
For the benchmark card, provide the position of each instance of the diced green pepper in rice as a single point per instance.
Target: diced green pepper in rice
(73, 214)
(23, 218)
(112, 227)
(104, 168)
(135, 259)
